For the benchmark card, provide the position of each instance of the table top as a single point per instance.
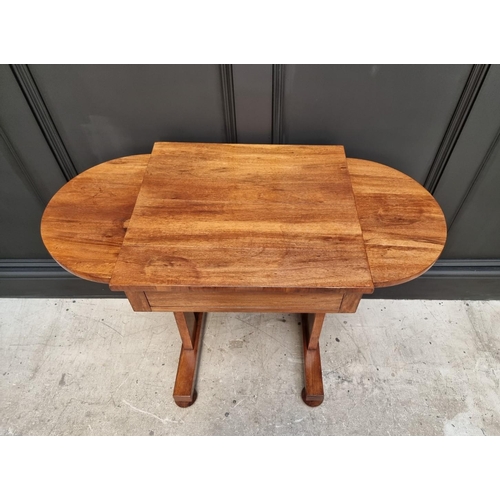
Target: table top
(230, 215)
(237, 215)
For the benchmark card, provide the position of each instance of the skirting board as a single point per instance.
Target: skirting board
(446, 280)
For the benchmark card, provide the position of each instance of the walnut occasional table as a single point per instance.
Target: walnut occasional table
(195, 228)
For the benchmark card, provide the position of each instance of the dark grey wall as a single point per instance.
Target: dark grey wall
(469, 188)
(438, 123)
(29, 174)
(396, 115)
(104, 112)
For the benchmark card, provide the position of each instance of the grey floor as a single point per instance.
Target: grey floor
(94, 367)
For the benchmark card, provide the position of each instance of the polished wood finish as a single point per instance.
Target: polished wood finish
(83, 230)
(232, 227)
(186, 323)
(350, 302)
(245, 300)
(237, 215)
(138, 301)
(312, 394)
(82, 226)
(191, 330)
(404, 228)
(314, 325)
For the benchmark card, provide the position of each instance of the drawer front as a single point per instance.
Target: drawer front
(246, 300)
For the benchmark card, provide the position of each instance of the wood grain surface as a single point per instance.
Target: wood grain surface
(191, 329)
(82, 226)
(236, 215)
(313, 393)
(218, 299)
(138, 301)
(231, 227)
(404, 228)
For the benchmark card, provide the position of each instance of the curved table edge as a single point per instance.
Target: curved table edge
(140, 161)
(135, 161)
(378, 281)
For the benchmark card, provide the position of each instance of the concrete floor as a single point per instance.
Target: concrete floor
(94, 367)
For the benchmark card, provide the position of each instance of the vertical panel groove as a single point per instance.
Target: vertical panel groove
(484, 161)
(278, 97)
(464, 106)
(25, 175)
(228, 102)
(39, 109)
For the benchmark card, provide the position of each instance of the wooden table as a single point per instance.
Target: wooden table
(195, 228)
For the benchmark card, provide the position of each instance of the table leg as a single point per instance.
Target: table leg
(312, 394)
(190, 328)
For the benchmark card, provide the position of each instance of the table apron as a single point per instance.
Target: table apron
(245, 300)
